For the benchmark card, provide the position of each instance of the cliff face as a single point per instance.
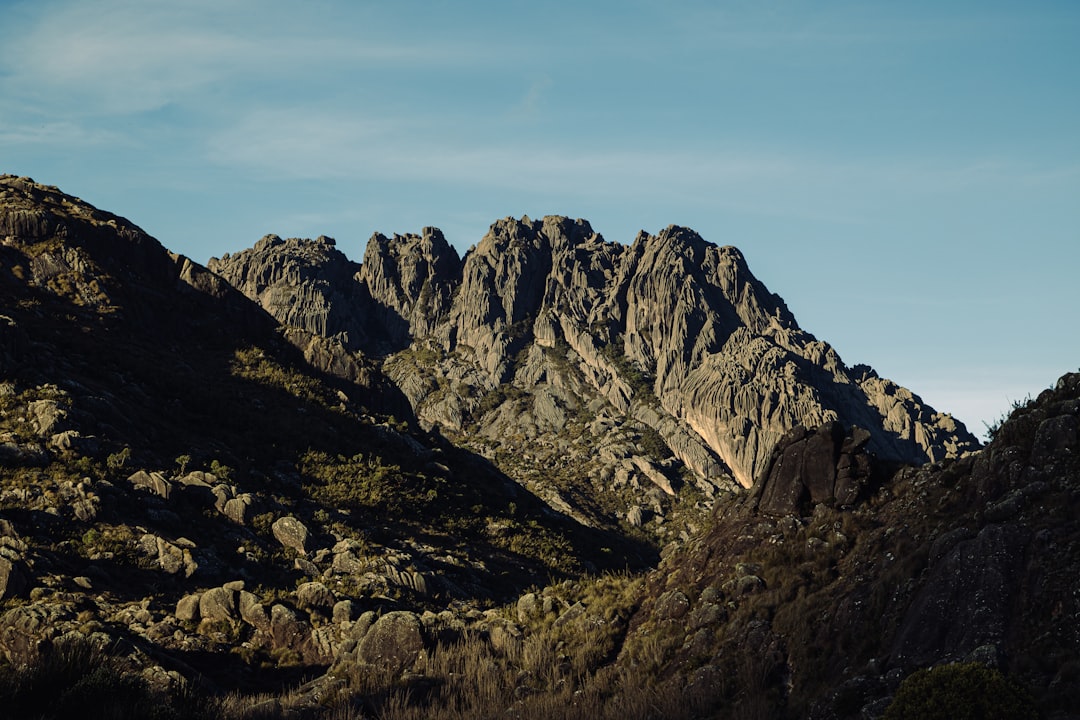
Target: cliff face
(547, 341)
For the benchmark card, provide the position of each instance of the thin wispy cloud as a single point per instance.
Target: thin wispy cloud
(534, 97)
(58, 134)
(119, 57)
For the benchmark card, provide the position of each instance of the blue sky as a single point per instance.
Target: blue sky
(905, 175)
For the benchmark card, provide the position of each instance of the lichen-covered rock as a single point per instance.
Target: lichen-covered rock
(316, 597)
(25, 630)
(287, 630)
(217, 604)
(252, 611)
(344, 611)
(239, 508)
(672, 605)
(394, 641)
(291, 533)
(172, 557)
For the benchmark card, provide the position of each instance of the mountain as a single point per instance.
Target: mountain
(489, 486)
(603, 377)
(162, 437)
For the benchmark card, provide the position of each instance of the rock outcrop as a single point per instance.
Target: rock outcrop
(544, 323)
(814, 466)
(832, 604)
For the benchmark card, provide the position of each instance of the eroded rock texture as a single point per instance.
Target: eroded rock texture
(550, 341)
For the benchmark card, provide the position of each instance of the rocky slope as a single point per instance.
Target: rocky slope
(823, 611)
(631, 371)
(204, 514)
(175, 475)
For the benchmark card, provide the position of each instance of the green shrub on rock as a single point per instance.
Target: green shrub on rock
(961, 691)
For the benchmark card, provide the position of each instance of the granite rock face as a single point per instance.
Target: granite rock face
(545, 326)
(814, 466)
(304, 284)
(411, 279)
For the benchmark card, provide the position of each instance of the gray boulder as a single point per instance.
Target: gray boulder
(187, 607)
(394, 641)
(218, 604)
(291, 533)
(316, 597)
(252, 611)
(238, 509)
(153, 482)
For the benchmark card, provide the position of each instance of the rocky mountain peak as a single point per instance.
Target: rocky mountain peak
(672, 331)
(411, 279)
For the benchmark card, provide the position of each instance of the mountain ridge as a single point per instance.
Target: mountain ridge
(672, 333)
(200, 505)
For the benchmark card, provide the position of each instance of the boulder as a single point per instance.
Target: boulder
(238, 509)
(218, 604)
(199, 479)
(13, 578)
(153, 482)
(315, 596)
(46, 416)
(671, 605)
(187, 607)
(344, 611)
(394, 641)
(252, 611)
(173, 558)
(291, 533)
(222, 494)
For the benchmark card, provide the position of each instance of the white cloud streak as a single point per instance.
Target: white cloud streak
(118, 57)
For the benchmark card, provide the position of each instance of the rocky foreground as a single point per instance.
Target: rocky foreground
(307, 488)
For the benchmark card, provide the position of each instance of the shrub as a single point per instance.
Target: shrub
(960, 691)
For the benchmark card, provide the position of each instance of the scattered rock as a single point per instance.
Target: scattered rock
(238, 509)
(252, 611)
(672, 605)
(173, 558)
(315, 596)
